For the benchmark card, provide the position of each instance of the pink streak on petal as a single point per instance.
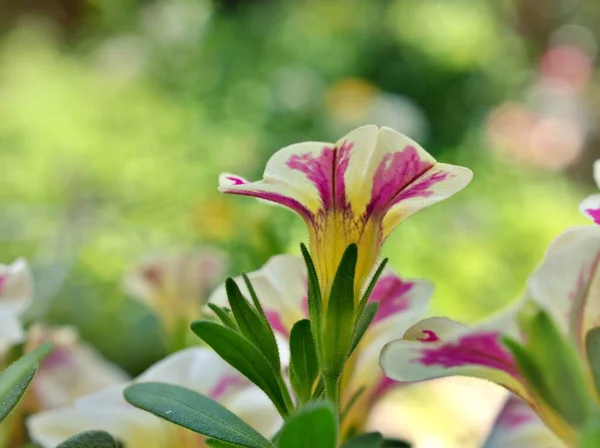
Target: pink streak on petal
(276, 323)
(225, 384)
(3, 280)
(384, 385)
(481, 349)
(235, 180)
(421, 189)
(430, 336)
(594, 213)
(58, 357)
(516, 413)
(278, 199)
(326, 172)
(392, 295)
(394, 173)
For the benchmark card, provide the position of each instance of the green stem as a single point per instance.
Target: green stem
(332, 392)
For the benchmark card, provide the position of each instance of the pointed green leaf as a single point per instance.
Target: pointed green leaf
(313, 426)
(224, 316)
(395, 443)
(221, 444)
(244, 357)
(251, 325)
(90, 439)
(562, 368)
(365, 297)
(592, 348)
(315, 302)
(194, 411)
(16, 377)
(339, 321)
(369, 440)
(304, 367)
(363, 324)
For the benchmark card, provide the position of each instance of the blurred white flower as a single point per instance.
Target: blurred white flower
(16, 292)
(71, 370)
(173, 22)
(199, 369)
(175, 286)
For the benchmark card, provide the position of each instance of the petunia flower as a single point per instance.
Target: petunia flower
(175, 286)
(565, 285)
(16, 292)
(71, 370)
(590, 206)
(354, 191)
(281, 286)
(517, 426)
(199, 369)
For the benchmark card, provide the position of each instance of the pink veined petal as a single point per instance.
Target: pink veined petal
(517, 426)
(439, 347)
(438, 183)
(567, 282)
(401, 304)
(298, 177)
(590, 207)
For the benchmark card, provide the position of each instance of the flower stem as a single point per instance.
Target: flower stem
(332, 392)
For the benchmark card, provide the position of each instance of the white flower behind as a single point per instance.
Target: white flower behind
(199, 369)
(16, 292)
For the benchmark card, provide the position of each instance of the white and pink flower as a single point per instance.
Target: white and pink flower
(199, 369)
(16, 293)
(354, 191)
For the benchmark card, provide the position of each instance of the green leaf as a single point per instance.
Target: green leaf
(90, 439)
(16, 377)
(221, 444)
(223, 315)
(255, 328)
(363, 323)
(395, 443)
(365, 297)
(304, 367)
(244, 357)
(369, 440)
(194, 411)
(313, 426)
(339, 321)
(315, 302)
(592, 348)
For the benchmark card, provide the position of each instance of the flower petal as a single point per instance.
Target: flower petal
(401, 304)
(517, 426)
(434, 185)
(16, 287)
(590, 207)
(566, 283)
(439, 347)
(297, 176)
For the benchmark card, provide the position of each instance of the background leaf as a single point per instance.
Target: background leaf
(194, 411)
(369, 440)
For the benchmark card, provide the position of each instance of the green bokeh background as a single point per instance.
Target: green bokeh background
(116, 118)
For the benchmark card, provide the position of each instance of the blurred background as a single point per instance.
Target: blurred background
(116, 117)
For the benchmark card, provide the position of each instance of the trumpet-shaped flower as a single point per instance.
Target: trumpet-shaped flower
(16, 291)
(590, 206)
(354, 191)
(566, 285)
(175, 286)
(199, 369)
(71, 370)
(281, 286)
(517, 426)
